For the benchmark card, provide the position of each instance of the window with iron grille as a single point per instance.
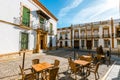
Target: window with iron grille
(24, 40)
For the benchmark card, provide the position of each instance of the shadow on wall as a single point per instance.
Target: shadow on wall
(51, 42)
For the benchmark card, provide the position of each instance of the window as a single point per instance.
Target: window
(96, 33)
(82, 43)
(76, 34)
(88, 33)
(83, 34)
(24, 40)
(106, 32)
(26, 17)
(118, 42)
(50, 41)
(118, 32)
(106, 43)
(51, 27)
(66, 36)
(41, 22)
(60, 35)
(95, 43)
(66, 43)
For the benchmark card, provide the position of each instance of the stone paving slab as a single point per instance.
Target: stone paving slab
(114, 73)
(9, 70)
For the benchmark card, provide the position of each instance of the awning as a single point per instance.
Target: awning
(43, 14)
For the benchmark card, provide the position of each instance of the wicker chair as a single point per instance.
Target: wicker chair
(69, 61)
(56, 63)
(52, 74)
(74, 68)
(35, 61)
(94, 69)
(27, 76)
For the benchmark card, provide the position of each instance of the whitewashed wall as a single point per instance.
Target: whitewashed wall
(10, 35)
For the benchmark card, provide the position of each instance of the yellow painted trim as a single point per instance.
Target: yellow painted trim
(14, 53)
(20, 26)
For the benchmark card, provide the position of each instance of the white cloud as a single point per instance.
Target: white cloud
(66, 9)
(98, 11)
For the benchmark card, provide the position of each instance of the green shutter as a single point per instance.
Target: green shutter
(26, 16)
(51, 26)
(41, 20)
(24, 41)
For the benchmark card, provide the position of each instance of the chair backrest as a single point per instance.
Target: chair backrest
(97, 66)
(69, 60)
(35, 61)
(56, 63)
(82, 58)
(53, 73)
(73, 66)
(98, 57)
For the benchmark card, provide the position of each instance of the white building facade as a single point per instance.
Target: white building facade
(26, 24)
(92, 35)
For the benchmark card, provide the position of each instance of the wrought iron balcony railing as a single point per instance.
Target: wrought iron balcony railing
(24, 22)
(76, 37)
(117, 35)
(106, 35)
(89, 36)
(50, 32)
(83, 36)
(96, 36)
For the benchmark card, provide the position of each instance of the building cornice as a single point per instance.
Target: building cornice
(45, 9)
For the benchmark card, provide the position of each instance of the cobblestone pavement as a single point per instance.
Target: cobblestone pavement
(9, 68)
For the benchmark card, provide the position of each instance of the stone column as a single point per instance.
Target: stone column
(112, 33)
(46, 41)
(38, 41)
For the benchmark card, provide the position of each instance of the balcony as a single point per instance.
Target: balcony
(117, 35)
(106, 35)
(89, 36)
(50, 32)
(96, 36)
(83, 36)
(25, 23)
(76, 37)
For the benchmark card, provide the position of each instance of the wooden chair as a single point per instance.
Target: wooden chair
(94, 69)
(27, 76)
(52, 74)
(74, 69)
(35, 61)
(69, 62)
(56, 63)
(81, 57)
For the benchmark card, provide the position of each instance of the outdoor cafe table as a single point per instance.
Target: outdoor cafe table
(83, 63)
(41, 66)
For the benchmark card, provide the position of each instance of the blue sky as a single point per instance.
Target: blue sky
(82, 11)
